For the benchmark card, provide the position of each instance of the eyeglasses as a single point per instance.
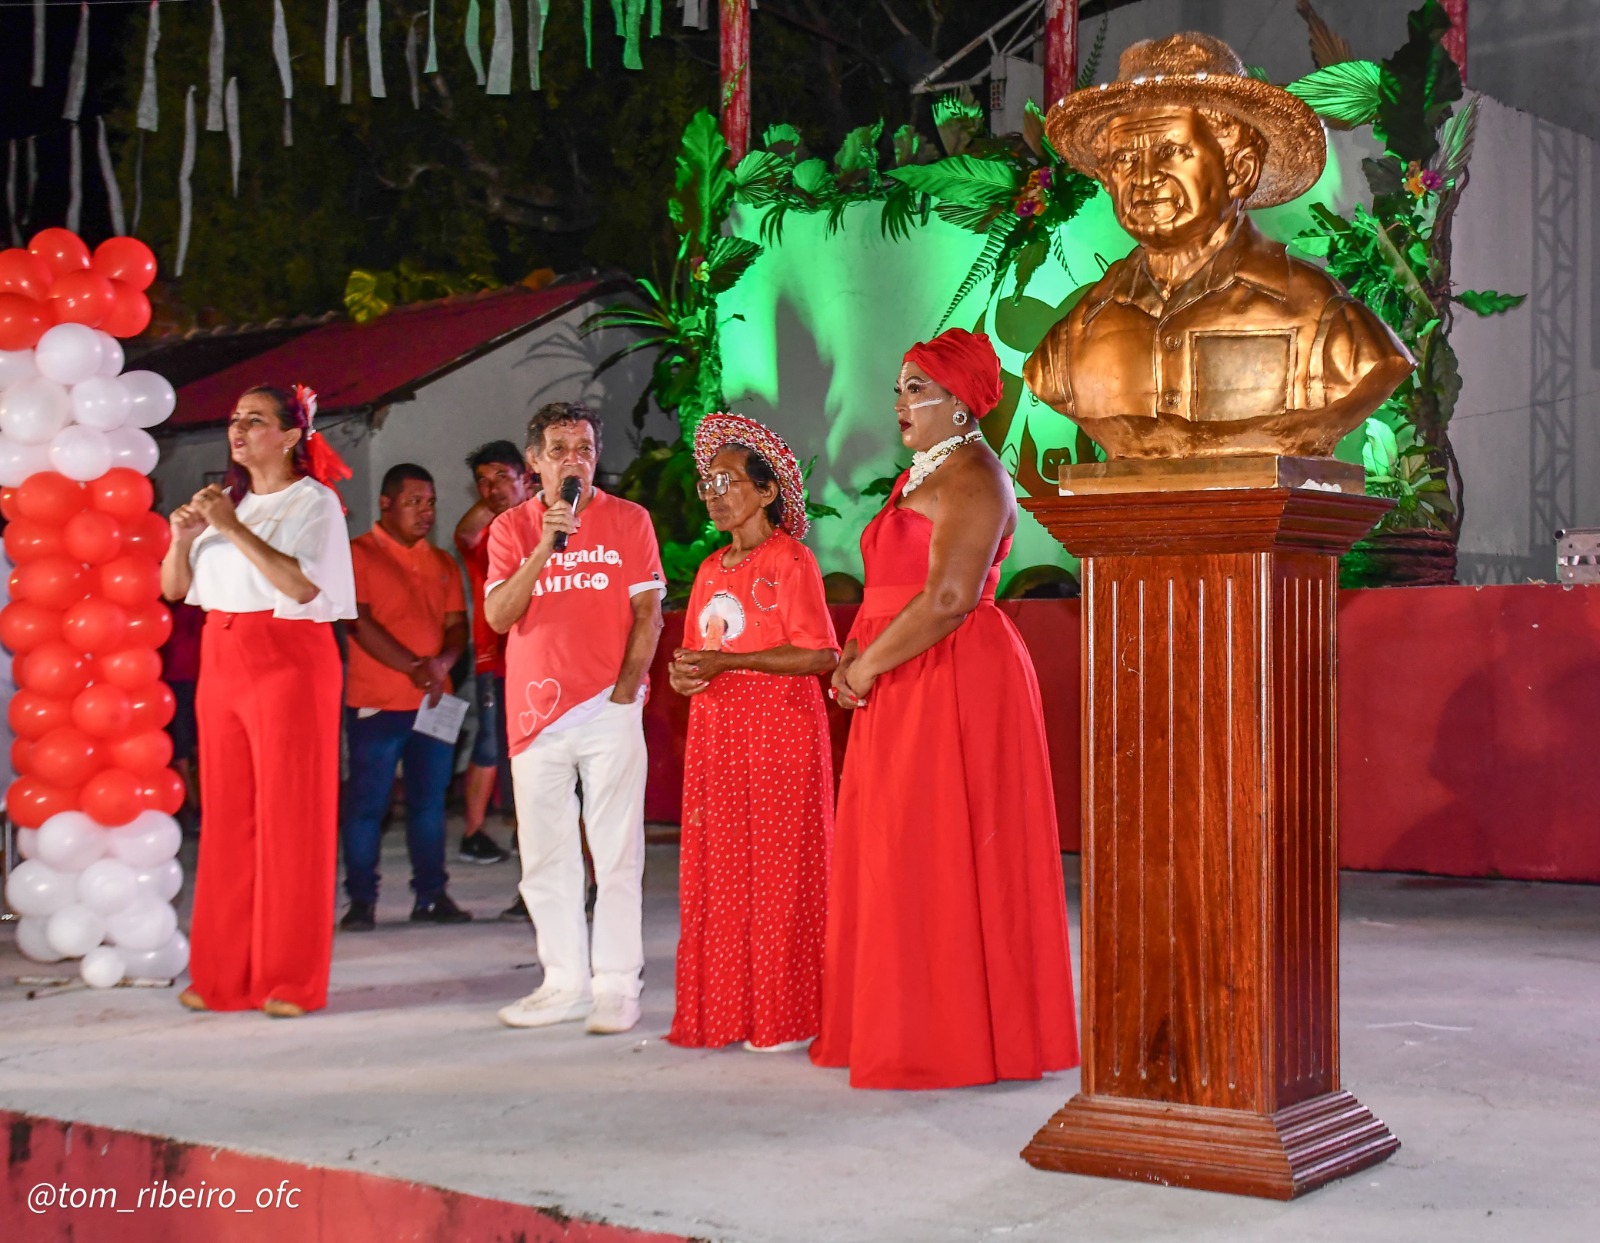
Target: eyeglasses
(716, 484)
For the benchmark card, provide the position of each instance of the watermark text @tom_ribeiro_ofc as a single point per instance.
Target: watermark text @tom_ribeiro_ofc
(162, 1195)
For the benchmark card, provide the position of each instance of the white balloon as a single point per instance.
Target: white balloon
(68, 353)
(102, 967)
(15, 366)
(37, 889)
(162, 880)
(32, 411)
(80, 453)
(165, 963)
(153, 398)
(34, 941)
(107, 886)
(133, 447)
(145, 924)
(101, 401)
(28, 843)
(111, 355)
(70, 841)
(18, 461)
(153, 837)
(75, 930)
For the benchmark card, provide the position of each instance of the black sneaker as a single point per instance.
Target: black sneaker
(479, 847)
(517, 912)
(439, 911)
(359, 918)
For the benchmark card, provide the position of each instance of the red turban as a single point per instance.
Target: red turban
(964, 363)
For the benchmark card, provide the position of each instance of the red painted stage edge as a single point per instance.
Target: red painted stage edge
(75, 1181)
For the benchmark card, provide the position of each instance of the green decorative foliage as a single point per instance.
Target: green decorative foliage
(858, 154)
(368, 295)
(702, 186)
(1350, 92)
(1401, 469)
(1488, 301)
(963, 179)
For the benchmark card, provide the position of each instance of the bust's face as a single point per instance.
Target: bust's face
(1168, 177)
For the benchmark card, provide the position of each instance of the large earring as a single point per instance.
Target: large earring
(959, 418)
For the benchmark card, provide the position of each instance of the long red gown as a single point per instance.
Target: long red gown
(946, 961)
(757, 810)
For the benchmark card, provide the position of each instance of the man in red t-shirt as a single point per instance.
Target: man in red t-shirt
(581, 626)
(503, 482)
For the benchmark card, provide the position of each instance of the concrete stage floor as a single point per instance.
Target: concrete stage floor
(1469, 1021)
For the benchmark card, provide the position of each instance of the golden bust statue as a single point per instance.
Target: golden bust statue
(1208, 340)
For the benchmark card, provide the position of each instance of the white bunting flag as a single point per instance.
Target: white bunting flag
(375, 51)
(74, 179)
(185, 190)
(230, 111)
(38, 43)
(330, 45)
(411, 60)
(214, 71)
(108, 174)
(500, 51)
(149, 105)
(78, 72)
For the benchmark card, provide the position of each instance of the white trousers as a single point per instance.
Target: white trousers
(608, 755)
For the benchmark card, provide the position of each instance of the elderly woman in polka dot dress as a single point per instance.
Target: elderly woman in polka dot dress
(758, 770)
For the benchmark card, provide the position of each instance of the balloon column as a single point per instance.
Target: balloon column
(95, 796)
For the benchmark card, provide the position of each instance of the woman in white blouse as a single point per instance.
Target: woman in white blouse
(267, 556)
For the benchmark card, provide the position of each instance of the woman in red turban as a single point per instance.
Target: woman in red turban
(946, 956)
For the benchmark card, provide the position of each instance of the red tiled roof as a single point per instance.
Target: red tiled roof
(353, 366)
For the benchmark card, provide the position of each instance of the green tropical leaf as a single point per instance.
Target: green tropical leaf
(1027, 263)
(702, 185)
(1488, 301)
(987, 263)
(1091, 64)
(729, 259)
(1456, 139)
(974, 219)
(781, 140)
(902, 209)
(965, 179)
(907, 145)
(1349, 92)
(951, 106)
(859, 151)
(812, 177)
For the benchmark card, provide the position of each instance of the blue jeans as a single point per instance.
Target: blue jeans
(378, 743)
(491, 749)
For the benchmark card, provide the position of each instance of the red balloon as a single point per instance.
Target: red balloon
(30, 802)
(27, 540)
(123, 493)
(113, 797)
(129, 314)
(61, 250)
(22, 757)
(103, 711)
(50, 582)
(150, 535)
(21, 272)
(125, 259)
(66, 757)
(94, 625)
(152, 707)
(46, 496)
(92, 537)
(24, 626)
(164, 791)
(144, 753)
(33, 715)
(8, 504)
(148, 626)
(22, 321)
(131, 581)
(53, 669)
(132, 669)
(82, 298)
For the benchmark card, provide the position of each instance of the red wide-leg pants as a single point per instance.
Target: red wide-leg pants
(267, 706)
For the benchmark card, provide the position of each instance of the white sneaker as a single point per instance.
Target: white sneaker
(613, 1013)
(546, 1005)
(783, 1046)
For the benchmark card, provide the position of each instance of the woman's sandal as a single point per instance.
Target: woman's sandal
(276, 1009)
(191, 1000)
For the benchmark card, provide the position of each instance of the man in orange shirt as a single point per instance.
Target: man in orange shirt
(410, 629)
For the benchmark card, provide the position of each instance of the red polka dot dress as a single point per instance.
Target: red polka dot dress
(757, 810)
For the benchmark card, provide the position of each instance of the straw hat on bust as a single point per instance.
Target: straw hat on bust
(1197, 71)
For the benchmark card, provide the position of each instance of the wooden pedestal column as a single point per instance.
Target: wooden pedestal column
(1210, 845)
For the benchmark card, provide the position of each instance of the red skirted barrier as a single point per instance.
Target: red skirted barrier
(1465, 714)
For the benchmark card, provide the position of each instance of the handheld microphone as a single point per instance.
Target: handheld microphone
(571, 488)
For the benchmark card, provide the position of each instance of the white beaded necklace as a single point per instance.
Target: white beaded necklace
(925, 462)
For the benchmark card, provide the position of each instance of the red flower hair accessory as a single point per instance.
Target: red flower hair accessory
(717, 431)
(964, 364)
(326, 466)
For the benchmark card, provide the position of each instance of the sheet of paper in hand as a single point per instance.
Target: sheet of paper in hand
(442, 721)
